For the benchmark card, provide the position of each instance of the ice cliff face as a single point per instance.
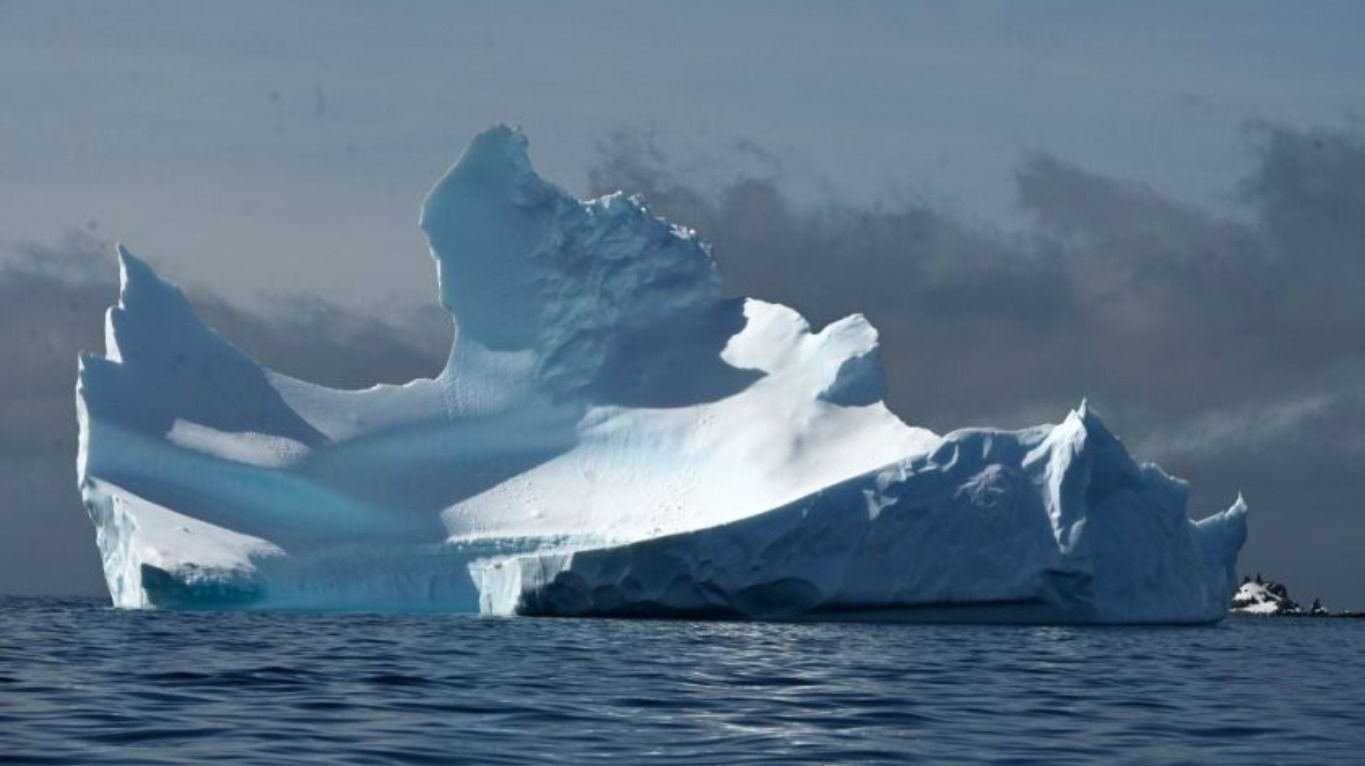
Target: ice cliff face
(611, 435)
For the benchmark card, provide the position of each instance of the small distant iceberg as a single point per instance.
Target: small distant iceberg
(611, 436)
(1268, 598)
(1258, 596)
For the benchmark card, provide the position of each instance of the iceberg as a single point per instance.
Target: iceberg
(611, 436)
(1267, 597)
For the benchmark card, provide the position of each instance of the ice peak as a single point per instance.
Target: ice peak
(145, 301)
(579, 287)
(505, 142)
(1091, 424)
(497, 160)
(136, 278)
(484, 220)
(125, 260)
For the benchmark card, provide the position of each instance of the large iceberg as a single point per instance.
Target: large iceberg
(611, 435)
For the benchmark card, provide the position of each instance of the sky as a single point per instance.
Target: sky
(1160, 207)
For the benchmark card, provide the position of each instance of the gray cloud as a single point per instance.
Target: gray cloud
(52, 302)
(1258, 427)
(1230, 348)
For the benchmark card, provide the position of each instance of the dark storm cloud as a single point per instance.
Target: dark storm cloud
(52, 303)
(1229, 348)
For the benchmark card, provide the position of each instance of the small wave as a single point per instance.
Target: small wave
(90, 685)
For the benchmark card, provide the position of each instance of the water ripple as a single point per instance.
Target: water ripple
(83, 683)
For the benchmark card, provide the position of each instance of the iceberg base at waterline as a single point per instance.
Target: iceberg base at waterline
(611, 436)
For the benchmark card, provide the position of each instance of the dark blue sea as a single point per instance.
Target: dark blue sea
(84, 683)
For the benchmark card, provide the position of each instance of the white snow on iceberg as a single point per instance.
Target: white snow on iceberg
(610, 436)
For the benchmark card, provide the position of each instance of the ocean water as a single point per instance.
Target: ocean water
(83, 683)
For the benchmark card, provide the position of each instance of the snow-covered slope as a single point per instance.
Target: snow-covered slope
(610, 435)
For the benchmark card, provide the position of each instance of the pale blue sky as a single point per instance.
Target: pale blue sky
(285, 147)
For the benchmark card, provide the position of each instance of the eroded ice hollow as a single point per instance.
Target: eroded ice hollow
(610, 436)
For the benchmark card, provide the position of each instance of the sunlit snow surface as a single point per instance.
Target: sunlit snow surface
(610, 436)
